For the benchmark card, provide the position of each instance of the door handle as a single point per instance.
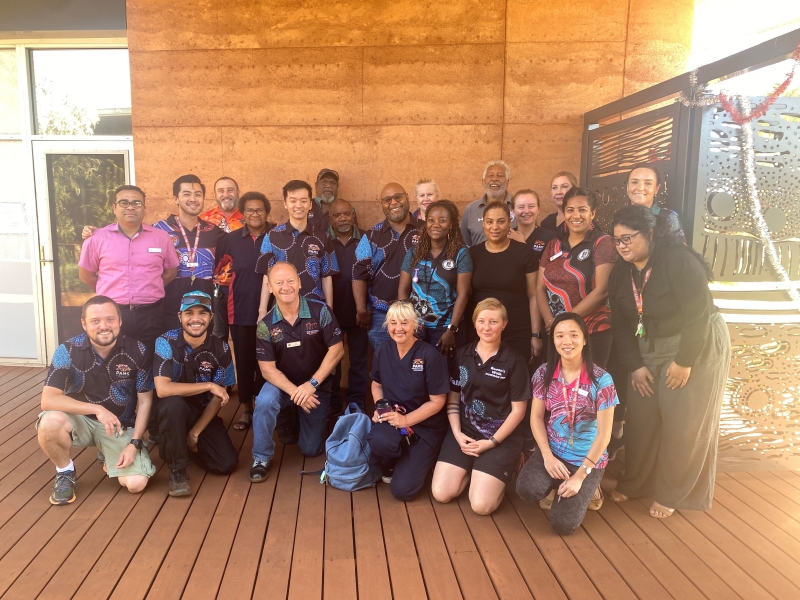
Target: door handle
(42, 259)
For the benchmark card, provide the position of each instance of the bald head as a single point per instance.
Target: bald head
(394, 202)
(284, 283)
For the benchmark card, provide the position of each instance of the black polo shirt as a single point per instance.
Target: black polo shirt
(209, 362)
(240, 249)
(379, 258)
(112, 383)
(537, 240)
(411, 380)
(317, 217)
(488, 389)
(310, 251)
(344, 305)
(298, 350)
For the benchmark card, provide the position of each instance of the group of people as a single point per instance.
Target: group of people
(495, 341)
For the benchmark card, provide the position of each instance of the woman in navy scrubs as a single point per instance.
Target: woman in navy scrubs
(412, 376)
(490, 392)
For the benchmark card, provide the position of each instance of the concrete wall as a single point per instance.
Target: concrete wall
(383, 90)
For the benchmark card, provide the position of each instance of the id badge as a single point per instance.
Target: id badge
(293, 345)
(555, 256)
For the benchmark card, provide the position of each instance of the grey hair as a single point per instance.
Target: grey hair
(492, 163)
(423, 182)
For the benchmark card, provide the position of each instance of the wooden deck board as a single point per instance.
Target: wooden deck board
(373, 577)
(339, 572)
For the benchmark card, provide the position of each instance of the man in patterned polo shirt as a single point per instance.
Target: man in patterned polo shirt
(98, 392)
(191, 370)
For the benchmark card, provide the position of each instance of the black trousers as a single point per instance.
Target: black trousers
(601, 347)
(248, 374)
(144, 323)
(219, 328)
(357, 351)
(412, 463)
(215, 451)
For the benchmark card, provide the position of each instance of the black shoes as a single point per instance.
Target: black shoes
(179, 483)
(63, 488)
(258, 472)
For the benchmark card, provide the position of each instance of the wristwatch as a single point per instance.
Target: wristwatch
(453, 328)
(314, 383)
(536, 335)
(588, 470)
(138, 444)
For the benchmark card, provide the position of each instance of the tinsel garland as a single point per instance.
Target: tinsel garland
(755, 202)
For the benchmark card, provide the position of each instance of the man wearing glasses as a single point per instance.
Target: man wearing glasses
(131, 263)
(379, 256)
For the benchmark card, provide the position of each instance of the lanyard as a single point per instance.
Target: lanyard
(571, 404)
(638, 297)
(192, 251)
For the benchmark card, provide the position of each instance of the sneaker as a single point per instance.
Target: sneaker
(386, 477)
(288, 426)
(547, 502)
(63, 488)
(100, 456)
(179, 483)
(614, 446)
(258, 472)
(597, 500)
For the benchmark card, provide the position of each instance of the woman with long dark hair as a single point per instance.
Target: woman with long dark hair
(676, 348)
(571, 417)
(436, 276)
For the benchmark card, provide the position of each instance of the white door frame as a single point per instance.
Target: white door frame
(47, 324)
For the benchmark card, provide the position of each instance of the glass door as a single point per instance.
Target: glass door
(75, 183)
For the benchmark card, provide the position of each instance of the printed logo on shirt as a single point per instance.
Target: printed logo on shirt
(415, 239)
(538, 246)
(449, 264)
(276, 334)
(313, 249)
(312, 328)
(496, 373)
(123, 371)
(418, 365)
(584, 254)
(176, 240)
(337, 331)
(206, 367)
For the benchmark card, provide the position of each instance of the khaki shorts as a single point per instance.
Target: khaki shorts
(90, 432)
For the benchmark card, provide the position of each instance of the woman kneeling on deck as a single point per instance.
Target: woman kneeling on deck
(570, 457)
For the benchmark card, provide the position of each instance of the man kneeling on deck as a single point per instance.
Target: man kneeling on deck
(98, 392)
(298, 345)
(191, 369)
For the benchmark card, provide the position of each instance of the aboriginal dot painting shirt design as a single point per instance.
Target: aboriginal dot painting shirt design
(579, 421)
(113, 383)
(209, 362)
(488, 388)
(379, 258)
(569, 274)
(434, 291)
(310, 251)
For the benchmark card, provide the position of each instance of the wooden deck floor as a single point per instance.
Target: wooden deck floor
(294, 538)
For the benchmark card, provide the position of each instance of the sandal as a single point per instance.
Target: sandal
(597, 500)
(547, 502)
(244, 422)
(617, 497)
(659, 511)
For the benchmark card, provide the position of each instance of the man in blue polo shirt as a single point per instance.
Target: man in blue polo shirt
(98, 392)
(299, 345)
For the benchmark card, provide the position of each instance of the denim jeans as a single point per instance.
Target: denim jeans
(377, 333)
(269, 402)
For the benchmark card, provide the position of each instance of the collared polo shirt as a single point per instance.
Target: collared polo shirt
(537, 240)
(344, 305)
(488, 388)
(129, 270)
(298, 349)
(238, 252)
(215, 216)
(410, 381)
(310, 252)
(209, 362)
(210, 236)
(472, 220)
(113, 382)
(591, 398)
(569, 274)
(317, 217)
(549, 222)
(379, 258)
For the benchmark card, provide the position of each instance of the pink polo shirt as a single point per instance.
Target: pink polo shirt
(129, 270)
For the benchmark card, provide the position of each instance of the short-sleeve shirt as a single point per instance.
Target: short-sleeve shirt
(298, 349)
(344, 303)
(435, 291)
(379, 257)
(210, 362)
(569, 274)
(318, 217)
(488, 388)
(112, 382)
(589, 400)
(310, 251)
(410, 381)
(537, 240)
(216, 217)
(238, 252)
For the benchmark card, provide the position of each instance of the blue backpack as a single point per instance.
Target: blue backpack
(349, 464)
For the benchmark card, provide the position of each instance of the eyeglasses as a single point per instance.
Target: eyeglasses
(388, 200)
(126, 203)
(255, 211)
(625, 240)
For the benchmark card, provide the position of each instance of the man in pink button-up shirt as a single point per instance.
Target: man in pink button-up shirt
(131, 262)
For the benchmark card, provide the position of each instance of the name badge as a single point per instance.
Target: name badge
(555, 256)
(192, 265)
(582, 392)
(154, 249)
(292, 344)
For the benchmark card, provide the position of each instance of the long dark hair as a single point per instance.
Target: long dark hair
(454, 239)
(656, 231)
(553, 356)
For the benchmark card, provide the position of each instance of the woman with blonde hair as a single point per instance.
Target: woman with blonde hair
(562, 182)
(426, 191)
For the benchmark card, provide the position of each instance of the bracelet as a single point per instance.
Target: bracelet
(494, 441)
(594, 462)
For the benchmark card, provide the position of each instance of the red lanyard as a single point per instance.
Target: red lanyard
(638, 296)
(192, 251)
(571, 404)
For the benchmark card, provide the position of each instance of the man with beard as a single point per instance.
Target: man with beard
(496, 176)
(98, 392)
(346, 236)
(227, 216)
(326, 191)
(379, 256)
(191, 370)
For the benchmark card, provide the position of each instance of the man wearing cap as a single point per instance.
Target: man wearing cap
(326, 191)
(98, 392)
(299, 344)
(191, 369)
(131, 263)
